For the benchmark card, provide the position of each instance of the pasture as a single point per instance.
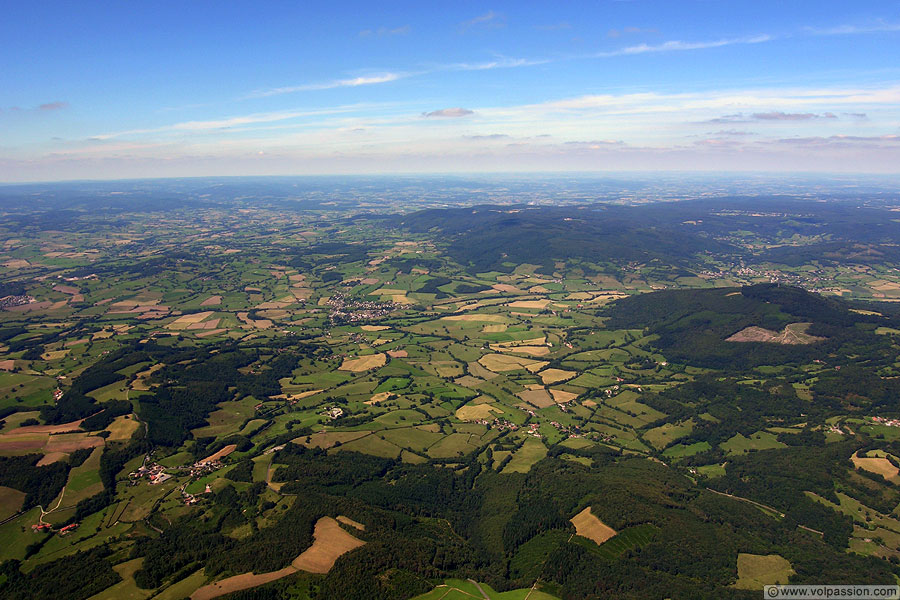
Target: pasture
(758, 570)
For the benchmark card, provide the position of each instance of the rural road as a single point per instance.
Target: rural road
(480, 589)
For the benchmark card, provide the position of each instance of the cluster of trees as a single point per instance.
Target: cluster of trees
(40, 484)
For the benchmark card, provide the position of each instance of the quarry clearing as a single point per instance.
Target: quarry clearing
(793, 334)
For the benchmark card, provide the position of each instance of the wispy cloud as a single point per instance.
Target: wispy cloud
(500, 63)
(615, 33)
(679, 46)
(875, 27)
(329, 85)
(54, 106)
(449, 113)
(228, 123)
(489, 20)
(771, 116)
(385, 31)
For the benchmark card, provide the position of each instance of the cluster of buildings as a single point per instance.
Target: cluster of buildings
(10, 301)
(886, 422)
(49, 528)
(155, 472)
(344, 308)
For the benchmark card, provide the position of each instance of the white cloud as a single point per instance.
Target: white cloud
(328, 85)
(449, 112)
(678, 46)
(876, 27)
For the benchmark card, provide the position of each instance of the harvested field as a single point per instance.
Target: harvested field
(50, 458)
(539, 398)
(351, 522)
(562, 396)
(363, 363)
(540, 304)
(476, 317)
(210, 332)
(185, 321)
(259, 323)
(10, 501)
(758, 570)
(211, 324)
(212, 301)
(7, 365)
(795, 333)
(556, 375)
(505, 287)
(220, 454)
(529, 350)
(373, 327)
(879, 465)
(331, 541)
(468, 381)
(503, 362)
(297, 396)
(496, 328)
(62, 428)
(380, 397)
(66, 289)
(398, 353)
(589, 526)
(238, 583)
(122, 428)
(69, 442)
(476, 412)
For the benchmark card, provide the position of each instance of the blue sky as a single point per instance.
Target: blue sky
(141, 89)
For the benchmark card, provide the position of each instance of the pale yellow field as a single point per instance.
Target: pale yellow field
(363, 363)
(589, 526)
(210, 332)
(220, 454)
(140, 379)
(556, 375)
(373, 327)
(380, 397)
(238, 583)
(476, 412)
(476, 317)
(529, 342)
(50, 458)
(122, 428)
(185, 321)
(503, 362)
(529, 350)
(879, 465)
(331, 542)
(351, 522)
(505, 287)
(562, 396)
(539, 398)
(297, 396)
(498, 328)
(757, 570)
(541, 304)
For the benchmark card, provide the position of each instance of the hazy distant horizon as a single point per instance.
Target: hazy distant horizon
(97, 91)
